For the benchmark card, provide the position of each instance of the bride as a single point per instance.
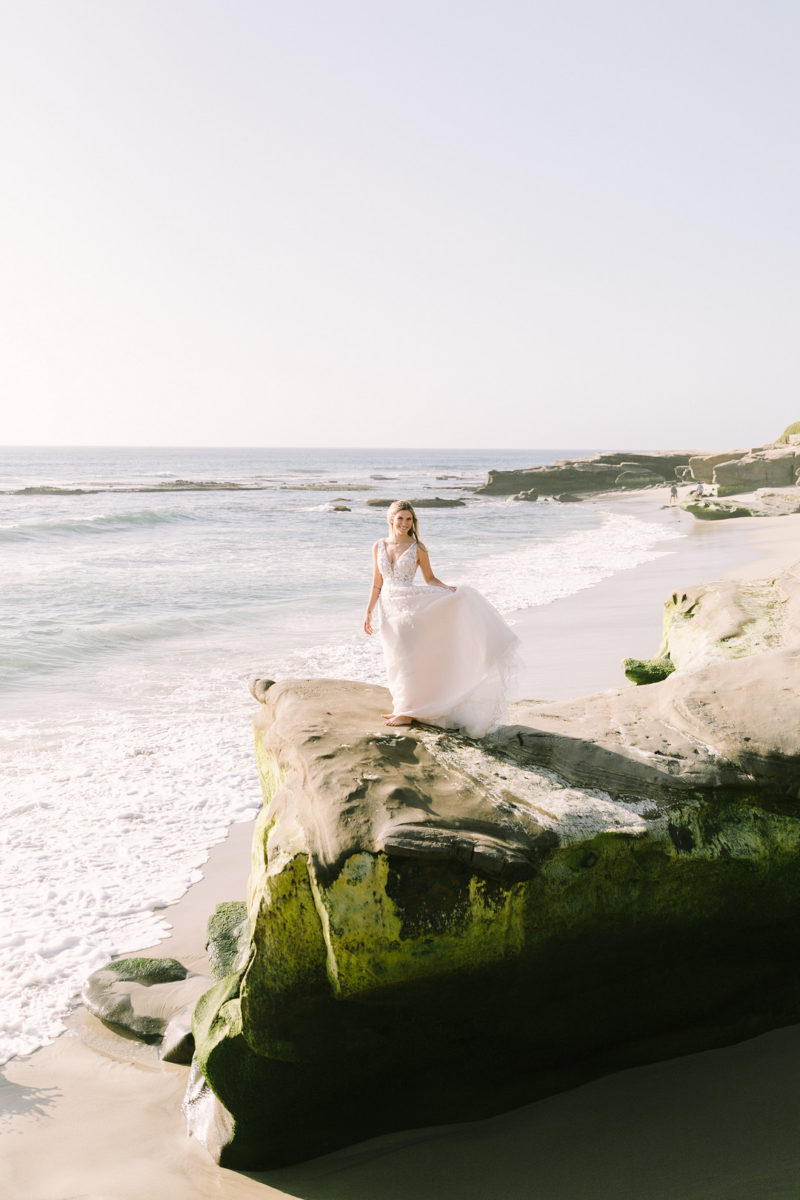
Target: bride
(447, 650)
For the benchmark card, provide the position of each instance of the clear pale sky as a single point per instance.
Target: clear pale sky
(410, 223)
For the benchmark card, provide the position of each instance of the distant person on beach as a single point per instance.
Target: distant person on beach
(698, 491)
(673, 494)
(447, 650)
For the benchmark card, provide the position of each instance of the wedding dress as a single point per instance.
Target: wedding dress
(448, 654)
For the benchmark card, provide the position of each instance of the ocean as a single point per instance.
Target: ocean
(141, 590)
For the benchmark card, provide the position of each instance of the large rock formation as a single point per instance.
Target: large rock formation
(768, 466)
(774, 465)
(441, 929)
(765, 502)
(733, 471)
(702, 465)
(600, 473)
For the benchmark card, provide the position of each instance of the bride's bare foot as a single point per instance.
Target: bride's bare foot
(391, 719)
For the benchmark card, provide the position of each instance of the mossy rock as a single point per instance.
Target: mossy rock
(387, 987)
(647, 670)
(135, 994)
(790, 431)
(630, 479)
(227, 933)
(147, 971)
(710, 511)
(730, 489)
(673, 967)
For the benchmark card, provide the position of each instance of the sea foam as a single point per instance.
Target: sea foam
(128, 630)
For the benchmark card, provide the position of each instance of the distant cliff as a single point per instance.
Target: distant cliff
(600, 473)
(731, 472)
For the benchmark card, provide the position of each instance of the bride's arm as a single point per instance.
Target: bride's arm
(377, 584)
(427, 570)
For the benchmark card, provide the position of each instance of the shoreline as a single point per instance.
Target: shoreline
(621, 616)
(85, 1120)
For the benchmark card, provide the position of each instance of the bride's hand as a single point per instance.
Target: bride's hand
(368, 624)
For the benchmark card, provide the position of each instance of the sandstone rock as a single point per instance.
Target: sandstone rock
(259, 688)
(340, 508)
(142, 994)
(702, 465)
(177, 1044)
(639, 479)
(727, 619)
(765, 502)
(731, 619)
(531, 495)
(440, 929)
(770, 503)
(772, 466)
(595, 474)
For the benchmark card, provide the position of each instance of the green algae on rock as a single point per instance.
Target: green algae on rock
(765, 502)
(715, 510)
(791, 431)
(648, 670)
(440, 929)
(227, 935)
(142, 995)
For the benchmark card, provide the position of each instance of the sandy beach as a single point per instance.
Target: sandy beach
(97, 1116)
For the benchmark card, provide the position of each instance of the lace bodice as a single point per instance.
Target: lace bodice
(401, 573)
(447, 652)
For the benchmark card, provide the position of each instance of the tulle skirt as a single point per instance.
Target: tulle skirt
(449, 656)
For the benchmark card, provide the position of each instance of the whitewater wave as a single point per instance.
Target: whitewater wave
(37, 529)
(171, 485)
(525, 578)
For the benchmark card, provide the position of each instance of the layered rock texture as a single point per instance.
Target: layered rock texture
(776, 465)
(601, 473)
(440, 929)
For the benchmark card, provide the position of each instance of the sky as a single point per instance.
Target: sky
(409, 223)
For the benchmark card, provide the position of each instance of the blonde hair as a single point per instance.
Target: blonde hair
(404, 506)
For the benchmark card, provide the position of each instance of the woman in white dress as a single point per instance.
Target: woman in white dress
(448, 651)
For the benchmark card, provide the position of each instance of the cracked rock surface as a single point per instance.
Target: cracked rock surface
(440, 929)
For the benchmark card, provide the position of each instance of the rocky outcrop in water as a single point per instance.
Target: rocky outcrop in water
(423, 502)
(600, 473)
(732, 471)
(440, 929)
